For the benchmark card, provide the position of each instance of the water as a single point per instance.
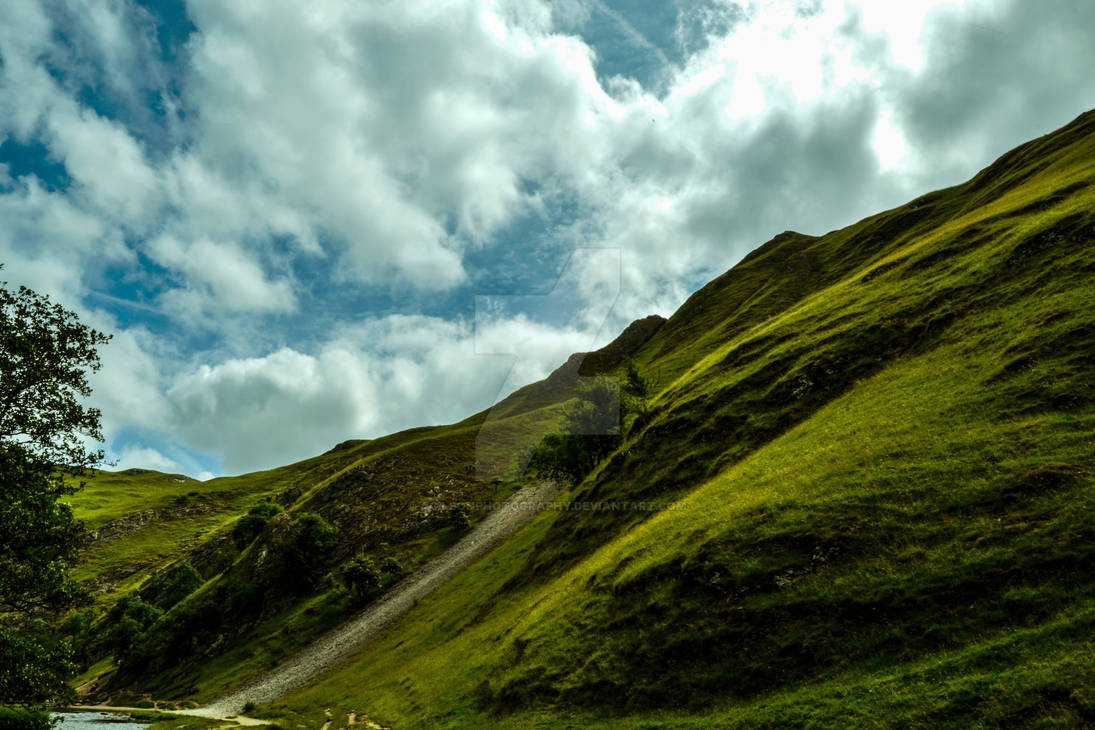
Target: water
(97, 721)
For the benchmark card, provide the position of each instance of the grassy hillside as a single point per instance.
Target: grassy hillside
(390, 501)
(878, 446)
(880, 443)
(142, 521)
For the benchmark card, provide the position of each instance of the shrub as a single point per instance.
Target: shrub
(361, 578)
(634, 390)
(571, 456)
(17, 718)
(591, 430)
(392, 568)
(459, 517)
(181, 634)
(128, 620)
(253, 523)
(77, 627)
(242, 596)
(123, 635)
(179, 584)
(311, 542)
(596, 410)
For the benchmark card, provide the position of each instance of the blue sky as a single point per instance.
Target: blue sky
(306, 222)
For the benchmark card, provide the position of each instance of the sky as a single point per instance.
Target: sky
(309, 222)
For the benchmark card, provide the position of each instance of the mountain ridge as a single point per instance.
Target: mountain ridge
(876, 444)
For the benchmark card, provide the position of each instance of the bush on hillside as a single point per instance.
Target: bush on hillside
(590, 432)
(128, 621)
(311, 542)
(253, 523)
(362, 579)
(460, 517)
(167, 590)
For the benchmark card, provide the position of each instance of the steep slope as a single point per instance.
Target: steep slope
(320, 656)
(879, 444)
(141, 521)
(397, 501)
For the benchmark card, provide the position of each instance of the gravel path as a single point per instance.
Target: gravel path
(305, 666)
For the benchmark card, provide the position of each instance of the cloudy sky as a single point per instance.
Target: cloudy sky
(310, 221)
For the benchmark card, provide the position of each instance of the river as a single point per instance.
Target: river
(97, 721)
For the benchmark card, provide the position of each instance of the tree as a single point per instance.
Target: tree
(129, 618)
(362, 579)
(45, 356)
(253, 523)
(635, 389)
(591, 430)
(183, 581)
(596, 410)
(311, 542)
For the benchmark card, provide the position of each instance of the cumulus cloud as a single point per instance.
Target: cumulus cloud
(295, 153)
(377, 377)
(235, 281)
(146, 458)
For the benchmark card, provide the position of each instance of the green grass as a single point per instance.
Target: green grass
(885, 464)
(378, 495)
(187, 513)
(881, 446)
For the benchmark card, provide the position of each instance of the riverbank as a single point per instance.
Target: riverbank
(147, 718)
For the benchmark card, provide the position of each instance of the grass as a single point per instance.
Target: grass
(184, 514)
(880, 442)
(388, 498)
(886, 474)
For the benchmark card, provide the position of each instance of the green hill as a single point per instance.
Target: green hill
(878, 446)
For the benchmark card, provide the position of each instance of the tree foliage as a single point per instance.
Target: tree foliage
(252, 524)
(596, 409)
(39, 537)
(634, 388)
(45, 356)
(591, 430)
(129, 619)
(362, 579)
(12, 718)
(183, 581)
(311, 542)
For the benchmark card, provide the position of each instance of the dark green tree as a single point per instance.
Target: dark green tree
(362, 579)
(129, 618)
(634, 389)
(596, 409)
(45, 356)
(591, 430)
(252, 524)
(311, 542)
(460, 517)
(183, 581)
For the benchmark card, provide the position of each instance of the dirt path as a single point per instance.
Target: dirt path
(305, 666)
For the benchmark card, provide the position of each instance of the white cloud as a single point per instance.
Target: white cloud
(107, 163)
(146, 458)
(233, 279)
(384, 145)
(405, 134)
(46, 239)
(375, 378)
(129, 387)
